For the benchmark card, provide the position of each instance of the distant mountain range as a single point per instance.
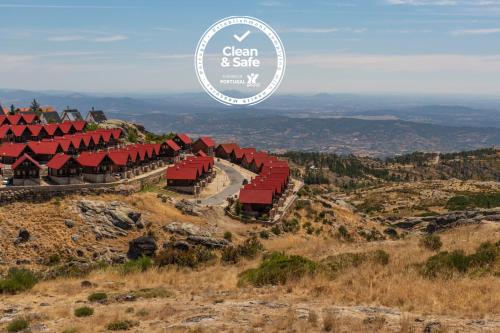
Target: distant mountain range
(342, 123)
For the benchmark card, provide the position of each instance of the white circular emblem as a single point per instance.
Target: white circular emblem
(240, 60)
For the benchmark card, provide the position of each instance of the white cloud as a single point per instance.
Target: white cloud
(485, 31)
(69, 38)
(107, 39)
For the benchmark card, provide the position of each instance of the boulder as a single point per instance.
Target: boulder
(391, 232)
(134, 216)
(210, 242)
(120, 219)
(186, 229)
(23, 236)
(69, 223)
(141, 246)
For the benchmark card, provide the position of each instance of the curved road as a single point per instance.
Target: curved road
(235, 183)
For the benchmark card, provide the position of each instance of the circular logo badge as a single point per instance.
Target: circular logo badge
(240, 60)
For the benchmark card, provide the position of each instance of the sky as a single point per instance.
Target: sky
(332, 46)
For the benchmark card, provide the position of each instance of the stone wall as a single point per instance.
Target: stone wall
(41, 193)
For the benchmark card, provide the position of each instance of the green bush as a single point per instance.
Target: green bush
(264, 234)
(17, 280)
(292, 225)
(120, 325)
(97, 297)
(138, 265)
(84, 311)
(342, 261)
(17, 325)
(250, 248)
(230, 255)
(473, 200)
(344, 234)
(431, 242)
(228, 236)
(278, 269)
(191, 258)
(276, 230)
(446, 264)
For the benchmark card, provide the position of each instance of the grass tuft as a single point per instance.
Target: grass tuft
(84, 311)
(17, 325)
(18, 280)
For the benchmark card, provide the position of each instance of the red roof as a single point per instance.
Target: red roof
(44, 147)
(23, 158)
(119, 157)
(18, 130)
(182, 173)
(96, 136)
(59, 160)
(172, 145)
(116, 132)
(66, 127)
(228, 147)
(184, 138)
(79, 125)
(12, 149)
(90, 159)
(3, 119)
(14, 119)
(65, 144)
(240, 152)
(29, 118)
(4, 129)
(35, 129)
(201, 153)
(260, 196)
(106, 136)
(51, 128)
(207, 141)
(76, 140)
(86, 138)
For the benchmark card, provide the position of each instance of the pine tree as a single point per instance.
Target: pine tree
(35, 108)
(12, 110)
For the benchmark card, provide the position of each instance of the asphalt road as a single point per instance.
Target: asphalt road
(235, 183)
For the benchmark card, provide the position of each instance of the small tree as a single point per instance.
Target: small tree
(35, 107)
(12, 110)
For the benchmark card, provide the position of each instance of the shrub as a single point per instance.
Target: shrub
(446, 264)
(264, 234)
(278, 269)
(342, 261)
(17, 280)
(230, 255)
(138, 265)
(431, 242)
(84, 311)
(276, 230)
(344, 234)
(228, 236)
(292, 225)
(17, 325)
(191, 258)
(380, 257)
(97, 297)
(120, 325)
(250, 248)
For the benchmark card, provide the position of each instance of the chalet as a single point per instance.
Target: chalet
(205, 144)
(50, 117)
(14, 119)
(26, 171)
(96, 116)
(183, 141)
(248, 158)
(64, 169)
(67, 127)
(201, 153)
(44, 151)
(67, 145)
(238, 154)
(224, 150)
(122, 163)
(170, 150)
(182, 178)
(71, 115)
(3, 120)
(256, 201)
(79, 125)
(29, 119)
(259, 160)
(53, 130)
(10, 152)
(6, 134)
(21, 133)
(97, 167)
(37, 132)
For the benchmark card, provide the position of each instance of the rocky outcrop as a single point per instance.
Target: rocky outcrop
(109, 220)
(430, 224)
(186, 229)
(187, 208)
(23, 236)
(142, 246)
(210, 242)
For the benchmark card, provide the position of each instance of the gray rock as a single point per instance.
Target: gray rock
(120, 219)
(69, 223)
(23, 235)
(210, 242)
(134, 216)
(181, 245)
(186, 229)
(141, 246)
(74, 238)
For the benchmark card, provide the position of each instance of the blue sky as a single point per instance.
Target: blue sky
(362, 46)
